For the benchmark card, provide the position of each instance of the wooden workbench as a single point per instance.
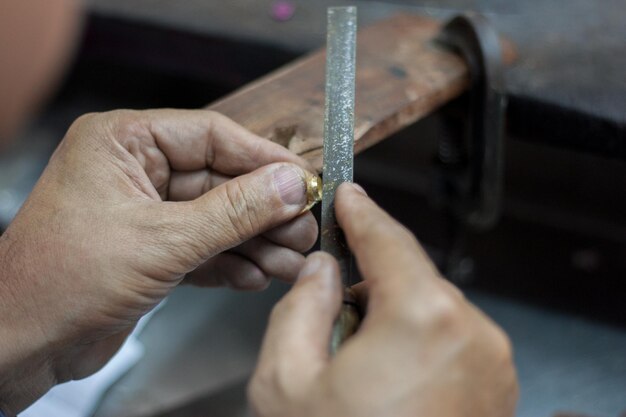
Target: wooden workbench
(567, 88)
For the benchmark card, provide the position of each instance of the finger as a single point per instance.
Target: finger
(299, 234)
(189, 233)
(387, 254)
(196, 139)
(230, 270)
(185, 186)
(275, 261)
(297, 339)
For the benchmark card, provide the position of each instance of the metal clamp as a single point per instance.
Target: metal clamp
(472, 165)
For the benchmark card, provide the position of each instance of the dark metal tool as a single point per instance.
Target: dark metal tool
(339, 150)
(475, 185)
(470, 168)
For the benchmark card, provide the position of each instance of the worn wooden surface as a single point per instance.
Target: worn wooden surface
(402, 75)
(567, 88)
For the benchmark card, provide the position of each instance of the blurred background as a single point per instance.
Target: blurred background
(552, 272)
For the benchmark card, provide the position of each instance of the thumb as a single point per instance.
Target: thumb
(248, 205)
(232, 213)
(296, 345)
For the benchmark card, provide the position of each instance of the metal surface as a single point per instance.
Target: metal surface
(338, 127)
(313, 192)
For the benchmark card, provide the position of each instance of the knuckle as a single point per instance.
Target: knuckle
(119, 124)
(82, 124)
(215, 121)
(126, 124)
(441, 314)
(84, 120)
(213, 116)
(445, 312)
(100, 133)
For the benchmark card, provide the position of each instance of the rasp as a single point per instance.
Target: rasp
(338, 163)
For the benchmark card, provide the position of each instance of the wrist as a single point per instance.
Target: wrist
(26, 372)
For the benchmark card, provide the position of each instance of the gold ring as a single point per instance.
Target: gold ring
(313, 191)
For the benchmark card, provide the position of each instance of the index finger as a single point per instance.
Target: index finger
(196, 139)
(387, 254)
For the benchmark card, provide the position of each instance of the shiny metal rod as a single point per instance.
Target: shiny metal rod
(338, 127)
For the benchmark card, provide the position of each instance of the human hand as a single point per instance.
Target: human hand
(422, 349)
(97, 245)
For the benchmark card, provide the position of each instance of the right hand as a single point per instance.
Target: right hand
(422, 350)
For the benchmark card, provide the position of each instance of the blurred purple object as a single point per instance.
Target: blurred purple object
(283, 10)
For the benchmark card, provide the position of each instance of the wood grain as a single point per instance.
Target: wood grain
(402, 76)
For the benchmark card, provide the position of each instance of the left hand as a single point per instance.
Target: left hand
(131, 202)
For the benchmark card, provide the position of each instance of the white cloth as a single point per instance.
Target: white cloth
(80, 398)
